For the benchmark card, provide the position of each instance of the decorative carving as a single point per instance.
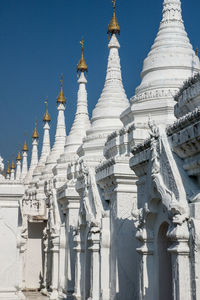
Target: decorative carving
(172, 12)
(154, 94)
(186, 85)
(189, 119)
(179, 213)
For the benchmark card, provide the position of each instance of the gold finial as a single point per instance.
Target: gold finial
(8, 169)
(113, 27)
(35, 132)
(25, 147)
(12, 166)
(18, 156)
(197, 51)
(82, 66)
(61, 98)
(46, 117)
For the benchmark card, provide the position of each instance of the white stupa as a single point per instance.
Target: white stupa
(169, 63)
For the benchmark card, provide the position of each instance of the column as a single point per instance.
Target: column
(55, 266)
(62, 264)
(45, 244)
(105, 258)
(79, 252)
(146, 263)
(94, 237)
(180, 255)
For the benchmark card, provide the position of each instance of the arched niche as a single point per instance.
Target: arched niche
(164, 264)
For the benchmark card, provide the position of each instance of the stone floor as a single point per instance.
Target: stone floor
(35, 296)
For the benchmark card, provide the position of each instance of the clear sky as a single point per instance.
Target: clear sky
(39, 40)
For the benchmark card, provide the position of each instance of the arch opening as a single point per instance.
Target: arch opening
(164, 264)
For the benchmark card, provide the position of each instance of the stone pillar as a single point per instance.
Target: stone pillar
(62, 264)
(78, 290)
(180, 254)
(94, 237)
(45, 245)
(72, 217)
(55, 266)
(21, 245)
(146, 263)
(105, 258)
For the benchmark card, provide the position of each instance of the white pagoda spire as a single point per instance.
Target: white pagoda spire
(18, 169)
(34, 157)
(12, 167)
(45, 145)
(46, 138)
(24, 160)
(81, 122)
(60, 137)
(78, 130)
(113, 100)
(8, 171)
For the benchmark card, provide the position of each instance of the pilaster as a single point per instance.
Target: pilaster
(180, 254)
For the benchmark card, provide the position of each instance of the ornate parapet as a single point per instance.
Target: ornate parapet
(184, 136)
(188, 97)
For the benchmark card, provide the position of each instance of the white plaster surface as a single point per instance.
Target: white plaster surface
(35, 296)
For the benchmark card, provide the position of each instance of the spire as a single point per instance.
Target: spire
(112, 102)
(35, 132)
(82, 66)
(18, 170)
(34, 157)
(25, 147)
(46, 138)
(46, 117)
(12, 166)
(81, 122)
(24, 160)
(61, 98)
(171, 59)
(45, 144)
(19, 156)
(172, 12)
(60, 137)
(8, 172)
(113, 27)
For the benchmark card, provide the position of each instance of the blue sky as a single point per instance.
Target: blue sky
(39, 40)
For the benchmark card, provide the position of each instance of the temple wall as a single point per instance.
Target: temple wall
(10, 221)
